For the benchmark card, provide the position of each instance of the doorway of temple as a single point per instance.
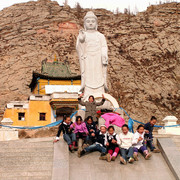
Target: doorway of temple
(63, 111)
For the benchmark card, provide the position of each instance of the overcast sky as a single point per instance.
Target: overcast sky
(140, 5)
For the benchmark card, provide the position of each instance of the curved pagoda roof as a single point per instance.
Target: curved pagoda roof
(53, 71)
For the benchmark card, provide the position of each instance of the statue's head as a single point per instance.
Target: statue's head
(90, 21)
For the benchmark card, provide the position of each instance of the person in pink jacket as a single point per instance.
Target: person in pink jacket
(81, 132)
(80, 128)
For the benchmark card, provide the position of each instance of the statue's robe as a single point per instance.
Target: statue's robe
(91, 53)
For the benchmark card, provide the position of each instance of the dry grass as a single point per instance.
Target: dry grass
(44, 132)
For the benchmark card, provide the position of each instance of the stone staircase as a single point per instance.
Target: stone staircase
(39, 159)
(27, 159)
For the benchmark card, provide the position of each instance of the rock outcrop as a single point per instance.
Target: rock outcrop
(144, 52)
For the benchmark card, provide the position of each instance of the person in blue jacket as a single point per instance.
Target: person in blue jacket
(149, 134)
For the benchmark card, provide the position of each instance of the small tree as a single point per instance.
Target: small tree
(125, 11)
(78, 9)
(128, 14)
(136, 10)
(65, 2)
(117, 10)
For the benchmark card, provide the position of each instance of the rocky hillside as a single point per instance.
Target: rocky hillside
(144, 52)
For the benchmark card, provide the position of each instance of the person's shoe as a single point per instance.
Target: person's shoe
(108, 157)
(71, 148)
(103, 156)
(122, 160)
(75, 148)
(156, 151)
(135, 157)
(131, 160)
(147, 156)
(85, 146)
(81, 153)
(113, 158)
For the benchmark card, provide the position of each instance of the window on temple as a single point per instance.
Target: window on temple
(21, 116)
(18, 106)
(42, 116)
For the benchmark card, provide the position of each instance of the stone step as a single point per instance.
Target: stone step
(28, 178)
(26, 174)
(26, 144)
(12, 154)
(29, 140)
(22, 160)
(44, 139)
(31, 166)
(24, 149)
(17, 164)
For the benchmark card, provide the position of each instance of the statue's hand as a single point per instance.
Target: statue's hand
(82, 35)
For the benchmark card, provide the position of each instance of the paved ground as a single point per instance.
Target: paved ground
(89, 167)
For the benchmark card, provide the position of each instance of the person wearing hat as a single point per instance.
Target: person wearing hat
(99, 145)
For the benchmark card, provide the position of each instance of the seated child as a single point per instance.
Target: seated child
(80, 128)
(149, 136)
(99, 145)
(126, 149)
(112, 143)
(137, 142)
(91, 126)
(68, 134)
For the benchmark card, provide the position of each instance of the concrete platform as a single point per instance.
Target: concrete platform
(171, 154)
(89, 167)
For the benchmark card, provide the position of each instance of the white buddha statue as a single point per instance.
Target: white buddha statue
(93, 57)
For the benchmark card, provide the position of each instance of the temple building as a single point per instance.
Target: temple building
(54, 94)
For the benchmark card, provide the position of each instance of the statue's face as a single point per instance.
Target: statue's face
(90, 23)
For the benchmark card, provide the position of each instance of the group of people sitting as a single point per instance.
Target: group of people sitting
(106, 140)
